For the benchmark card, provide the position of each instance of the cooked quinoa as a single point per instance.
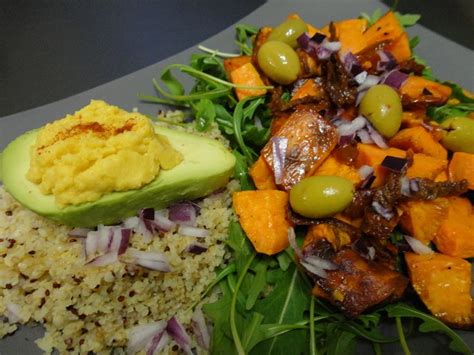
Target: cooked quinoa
(43, 277)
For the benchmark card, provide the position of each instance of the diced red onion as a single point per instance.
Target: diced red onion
(90, 244)
(314, 269)
(279, 146)
(131, 222)
(376, 137)
(417, 246)
(367, 183)
(183, 213)
(141, 335)
(395, 79)
(145, 229)
(147, 213)
(103, 260)
(13, 312)
(303, 40)
(352, 127)
(196, 248)
(427, 126)
(193, 231)
(320, 262)
(364, 136)
(200, 329)
(312, 49)
(371, 253)
(179, 335)
(414, 185)
(405, 186)
(386, 61)
(149, 259)
(386, 213)
(293, 244)
(365, 171)
(323, 53)
(318, 37)
(351, 64)
(369, 81)
(345, 140)
(79, 232)
(360, 96)
(360, 78)
(331, 46)
(161, 223)
(157, 343)
(395, 164)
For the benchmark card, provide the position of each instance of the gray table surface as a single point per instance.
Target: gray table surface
(50, 50)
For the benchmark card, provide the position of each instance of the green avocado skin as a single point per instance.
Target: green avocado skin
(207, 166)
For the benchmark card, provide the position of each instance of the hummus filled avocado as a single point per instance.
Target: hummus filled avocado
(183, 166)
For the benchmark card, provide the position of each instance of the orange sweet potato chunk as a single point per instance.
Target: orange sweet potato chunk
(455, 236)
(230, 64)
(416, 86)
(309, 88)
(333, 167)
(262, 214)
(422, 219)
(371, 155)
(425, 166)
(333, 235)
(386, 28)
(461, 167)
(262, 175)
(400, 48)
(419, 140)
(444, 285)
(247, 75)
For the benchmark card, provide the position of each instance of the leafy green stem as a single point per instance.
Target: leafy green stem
(233, 325)
(217, 53)
(312, 335)
(401, 336)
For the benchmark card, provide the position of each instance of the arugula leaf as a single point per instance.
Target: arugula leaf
(414, 41)
(458, 93)
(371, 19)
(341, 342)
(241, 172)
(407, 20)
(258, 284)
(244, 33)
(173, 85)
(429, 324)
(284, 261)
(287, 303)
(205, 114)
(439, 114)
(427, 71)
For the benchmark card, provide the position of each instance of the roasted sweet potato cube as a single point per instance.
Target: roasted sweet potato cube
(359, 284)
(416, 87)
(333, 167)
(425, 166)
(400, 48)
(461, 167)
(308, 88)
(422, 219)
(262, 214)
(262, 175)
(336, 236)
(444, 285)
(230, 64)
(386, 28)
(309, 67)
(311, 139)
(249, 76)
(455, 236)
(419, 140)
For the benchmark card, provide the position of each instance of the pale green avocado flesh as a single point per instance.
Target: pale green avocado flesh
(207, 166)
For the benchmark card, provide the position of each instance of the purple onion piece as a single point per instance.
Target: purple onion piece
(405, 186)
(364, 136)
(315, 270)
(351, 64)
(162, 223)
(318, 37)
(312, 49)
(351, 127)
(386, 61)
(417, 246)
(365, 171)
(102, 260)
(150, 260)
(193, 231)
(414, 185)
(346, 140)
(367, 183)
(157, 343)
(196, 248)
(369, 81)
(395, 79)
(303, 40)
(320, 262)
(279, 146)
(360, 78)
(91, 243)
(200, 329)
(141, 335)
(331, 46)
(394, 163)
(125, 237)
(182, 213)
(376, 137)
(323, 53)
(293, 244)
(179, 335)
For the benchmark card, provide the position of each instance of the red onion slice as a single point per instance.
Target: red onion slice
(365, 171)
(90, 244)
(103, 260)
(104, 238)
(386, 62)
(376, 137)
(331, 46)
(394, 164)
(320, 262)
(318, 37)
(314, 269)
(303, 40)
(183, 213)
(369, 81)
(279, 146)
(141, 335)
(150, 260)
(161, 223)
(200, 329)
(417, 246)
(360, 78)
(351, 127)
(147, 213)
(351, 64)
(364, 136)
(405, 186)
(131, 223)
(157, 343)
(193, 232)
(179, 335)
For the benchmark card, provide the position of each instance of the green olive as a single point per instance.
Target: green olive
(321, 196)
(459, 134)
(383, 108)
(289, 31)
(279, 62)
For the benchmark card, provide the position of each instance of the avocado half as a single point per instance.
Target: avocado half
(207, 166)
